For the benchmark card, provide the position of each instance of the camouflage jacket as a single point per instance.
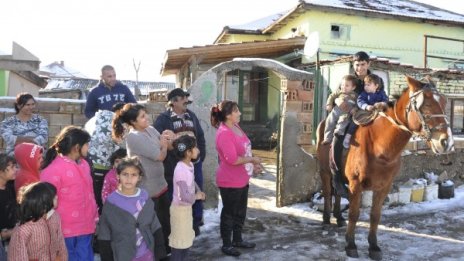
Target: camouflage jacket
(12, 127)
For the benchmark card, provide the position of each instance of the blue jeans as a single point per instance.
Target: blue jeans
(80, 248)
(197, 208)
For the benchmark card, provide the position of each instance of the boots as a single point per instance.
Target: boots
(337, 180)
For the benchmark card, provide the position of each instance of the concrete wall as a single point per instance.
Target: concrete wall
(293, 186)
(63, 112)
(18, 84)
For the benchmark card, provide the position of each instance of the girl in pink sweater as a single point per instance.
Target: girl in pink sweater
(185, 192)
(66, 168)
(236, 165)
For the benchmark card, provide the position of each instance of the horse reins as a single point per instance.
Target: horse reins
(412, 106)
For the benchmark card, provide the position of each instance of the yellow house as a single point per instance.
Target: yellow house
(390, 29)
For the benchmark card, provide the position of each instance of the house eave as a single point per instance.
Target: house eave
(212, 54)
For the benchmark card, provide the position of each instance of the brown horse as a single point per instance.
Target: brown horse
(373, 159)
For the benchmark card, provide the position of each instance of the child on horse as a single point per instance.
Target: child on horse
(338, 118)
(373, 97)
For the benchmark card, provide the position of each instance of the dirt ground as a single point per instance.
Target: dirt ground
(295, 232)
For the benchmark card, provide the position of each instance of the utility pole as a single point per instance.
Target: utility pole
(136, 88)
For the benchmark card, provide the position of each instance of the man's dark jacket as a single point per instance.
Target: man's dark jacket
(164, 122)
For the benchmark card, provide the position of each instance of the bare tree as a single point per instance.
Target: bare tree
(136, 87)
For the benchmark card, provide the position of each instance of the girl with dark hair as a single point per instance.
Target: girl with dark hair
(128, 221)
(236, 165)
(8, 205)
(24, 126)
(66, 168)
(145, 142)
(186, 192)
(39, 235)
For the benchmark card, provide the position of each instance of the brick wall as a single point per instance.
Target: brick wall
(63, 112)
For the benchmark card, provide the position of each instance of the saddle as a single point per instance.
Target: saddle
(337, 153)
(363, 118)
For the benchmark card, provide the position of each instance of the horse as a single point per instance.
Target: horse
(373, 159)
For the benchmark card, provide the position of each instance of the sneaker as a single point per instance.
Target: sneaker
(244, 244)
(230, 251)
(197, 230)
(346, 141)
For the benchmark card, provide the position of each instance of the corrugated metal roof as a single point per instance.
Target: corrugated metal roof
(217, 53)
(87, 84)
(386, 61)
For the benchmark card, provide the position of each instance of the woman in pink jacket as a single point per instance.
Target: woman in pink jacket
(236, 165)
(66, 168)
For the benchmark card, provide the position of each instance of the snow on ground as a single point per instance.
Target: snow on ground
(431, 230)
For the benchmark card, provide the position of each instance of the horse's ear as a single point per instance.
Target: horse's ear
(430, 80)
(413, 84)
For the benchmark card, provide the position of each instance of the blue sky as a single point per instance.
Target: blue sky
(87, 34)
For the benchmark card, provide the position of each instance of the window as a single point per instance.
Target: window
(340, 32)
(457, 115)
(253, 96)
(456, 65)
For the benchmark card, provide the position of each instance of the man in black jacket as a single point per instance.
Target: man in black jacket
(361, 63)
(181, 121)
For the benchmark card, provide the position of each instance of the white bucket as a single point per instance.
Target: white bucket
(431, 192)
(366, 199)
(404, 195)
(393, 198)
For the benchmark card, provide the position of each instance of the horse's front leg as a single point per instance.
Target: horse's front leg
(353, 215)
(377, 201)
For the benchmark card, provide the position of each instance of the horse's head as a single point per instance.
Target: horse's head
(425, 116)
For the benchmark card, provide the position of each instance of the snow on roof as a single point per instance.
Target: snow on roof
(86, 84)
(393, 7)
(59, 70)
(403, 8)
(259, 24)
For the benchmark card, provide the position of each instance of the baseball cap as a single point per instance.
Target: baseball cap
(177, 92)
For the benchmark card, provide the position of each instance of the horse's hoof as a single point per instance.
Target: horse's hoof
(341, 222)
(352, 252)
(375, 254)
(325, 226)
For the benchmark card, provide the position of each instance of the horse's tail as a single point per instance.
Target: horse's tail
(320, 134)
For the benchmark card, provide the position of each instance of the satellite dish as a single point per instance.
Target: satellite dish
(311, 45)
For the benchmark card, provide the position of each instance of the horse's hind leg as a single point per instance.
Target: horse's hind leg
(338, 212)
(377, 201)
(353, 215)
(327, 193)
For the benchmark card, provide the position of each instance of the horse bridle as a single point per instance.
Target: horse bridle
(426, 132)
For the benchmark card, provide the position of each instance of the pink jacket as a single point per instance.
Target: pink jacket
(110, 184)
(230, 146)
(76, 201)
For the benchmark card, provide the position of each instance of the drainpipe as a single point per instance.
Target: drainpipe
(317, 91)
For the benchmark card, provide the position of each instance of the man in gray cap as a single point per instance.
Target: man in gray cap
(182, 121)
